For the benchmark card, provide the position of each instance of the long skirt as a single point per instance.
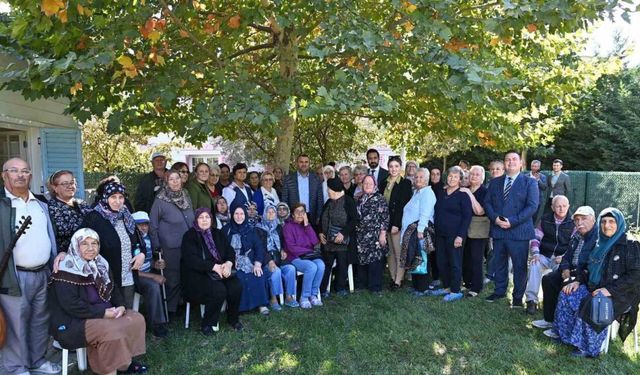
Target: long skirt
(572, 329)
(255, 290)
(112, 343)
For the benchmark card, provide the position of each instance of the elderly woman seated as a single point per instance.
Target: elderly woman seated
(87, 311)
(613, 270)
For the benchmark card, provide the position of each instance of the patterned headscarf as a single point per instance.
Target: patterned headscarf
(282, 219)
(180, 198)
(206, 233)
(271, 227)
(112, 216)
(98, 267)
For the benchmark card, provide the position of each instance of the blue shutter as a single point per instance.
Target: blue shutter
(62, 149)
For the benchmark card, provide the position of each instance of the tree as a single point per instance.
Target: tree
(105, 152)
(487, 72)
(604, 133)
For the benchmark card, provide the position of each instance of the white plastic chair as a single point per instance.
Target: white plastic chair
(350, 274)
(136, 301)
(187, 313)
(81, 355)
(612, 333)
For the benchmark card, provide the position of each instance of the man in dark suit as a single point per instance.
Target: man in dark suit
(559, 183)
(375, 170)
(305, 187)
(510, 204)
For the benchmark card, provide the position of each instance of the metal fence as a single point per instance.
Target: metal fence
(596, 189)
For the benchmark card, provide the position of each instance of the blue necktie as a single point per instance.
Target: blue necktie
(507, 188)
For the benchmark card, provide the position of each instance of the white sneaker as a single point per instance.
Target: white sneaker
(315, 301)
(552, 334)
(47, 368)
(542, 324)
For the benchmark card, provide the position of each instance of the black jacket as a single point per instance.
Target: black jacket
(110, 246)
(69, 307)
(197, 262)
(400, 194)
(555, 239)
(146, 191)
(271, 255)
(589, 242)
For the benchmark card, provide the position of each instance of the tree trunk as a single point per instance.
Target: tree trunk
(287, 50)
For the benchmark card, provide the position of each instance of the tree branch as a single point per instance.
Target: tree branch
(179, 23)
(251, 49)
(266, 29)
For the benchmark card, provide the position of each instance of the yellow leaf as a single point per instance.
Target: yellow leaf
(234, 22)
(408, 26)
(154, 36)
(51, 7)
(351, 60)
(494, 41)
(159, 60)
(130, 72)
(410, 8)
(75, 88)
(80, 9)
(199, 75)
(62, 16)
(125, 61)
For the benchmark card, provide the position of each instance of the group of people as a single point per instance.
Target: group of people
(222, 235)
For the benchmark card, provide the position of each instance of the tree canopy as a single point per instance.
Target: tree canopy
(495, 73)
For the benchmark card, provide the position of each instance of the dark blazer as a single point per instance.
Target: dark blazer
(146, 191)
(589, 242)
(382, 176)
(621, 277)
(69, 307)
(197, 262)
(400, 194)
(562, 186)
(110, 246)
(291, 195)
(518, 208)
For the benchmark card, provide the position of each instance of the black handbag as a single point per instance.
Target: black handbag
(315, 254)
(597, 311)
(333, 232)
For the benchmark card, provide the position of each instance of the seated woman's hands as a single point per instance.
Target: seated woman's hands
(570, 288)
(219, 269)
(226, 269)
(257, 269)
(271, 265)
(604, 291)
(114, 312)
(137, 261)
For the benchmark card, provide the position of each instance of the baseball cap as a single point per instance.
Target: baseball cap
(584, 211)
(157, 154)
(140, 217)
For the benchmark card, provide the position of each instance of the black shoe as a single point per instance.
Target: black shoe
(494, 297)
(207, 330)
(531, 307)
(517, 304)
(135, 368)
(160, 330)
(238, 327)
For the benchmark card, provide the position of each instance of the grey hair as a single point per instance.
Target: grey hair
(458, 170)
(360, 168)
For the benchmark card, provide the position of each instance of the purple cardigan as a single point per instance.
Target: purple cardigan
(298, 239)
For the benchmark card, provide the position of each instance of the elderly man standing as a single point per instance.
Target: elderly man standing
(23, 288)
(151, 183)
(510, 203)
(551, 243)
(573, 263)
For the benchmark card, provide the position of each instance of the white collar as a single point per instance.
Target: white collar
(11, 196)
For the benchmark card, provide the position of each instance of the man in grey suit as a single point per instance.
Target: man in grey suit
(542, 185)
(559, 183)
(305, 187)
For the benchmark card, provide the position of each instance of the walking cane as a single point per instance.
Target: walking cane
(164, 290)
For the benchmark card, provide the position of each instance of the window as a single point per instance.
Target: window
(209, 159)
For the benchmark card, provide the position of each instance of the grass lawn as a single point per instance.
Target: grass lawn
(394, 333)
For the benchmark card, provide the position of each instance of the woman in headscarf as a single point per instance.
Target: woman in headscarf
(250, 256)
(417, 216)
(270, 233)
(371, 235)
(283, 211)
(208, 272)
(171, 216)
(121, 244)
(613, 270)
(338, 221)
(66, 211)
(328, 172)
(222, 215)
(87, 311)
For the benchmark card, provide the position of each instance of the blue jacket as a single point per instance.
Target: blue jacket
(589, 243)
(518, 208)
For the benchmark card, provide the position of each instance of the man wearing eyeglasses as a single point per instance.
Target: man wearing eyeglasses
(23, 286)
(151, 183)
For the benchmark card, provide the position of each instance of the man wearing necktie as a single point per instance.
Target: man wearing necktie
(373, 159)
(510, 203)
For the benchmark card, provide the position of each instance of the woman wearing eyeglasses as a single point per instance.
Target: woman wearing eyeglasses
(266, 195)
(183, 169)
(66, 211)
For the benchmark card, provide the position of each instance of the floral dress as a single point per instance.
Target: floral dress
(66, 219)
(374, 217)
